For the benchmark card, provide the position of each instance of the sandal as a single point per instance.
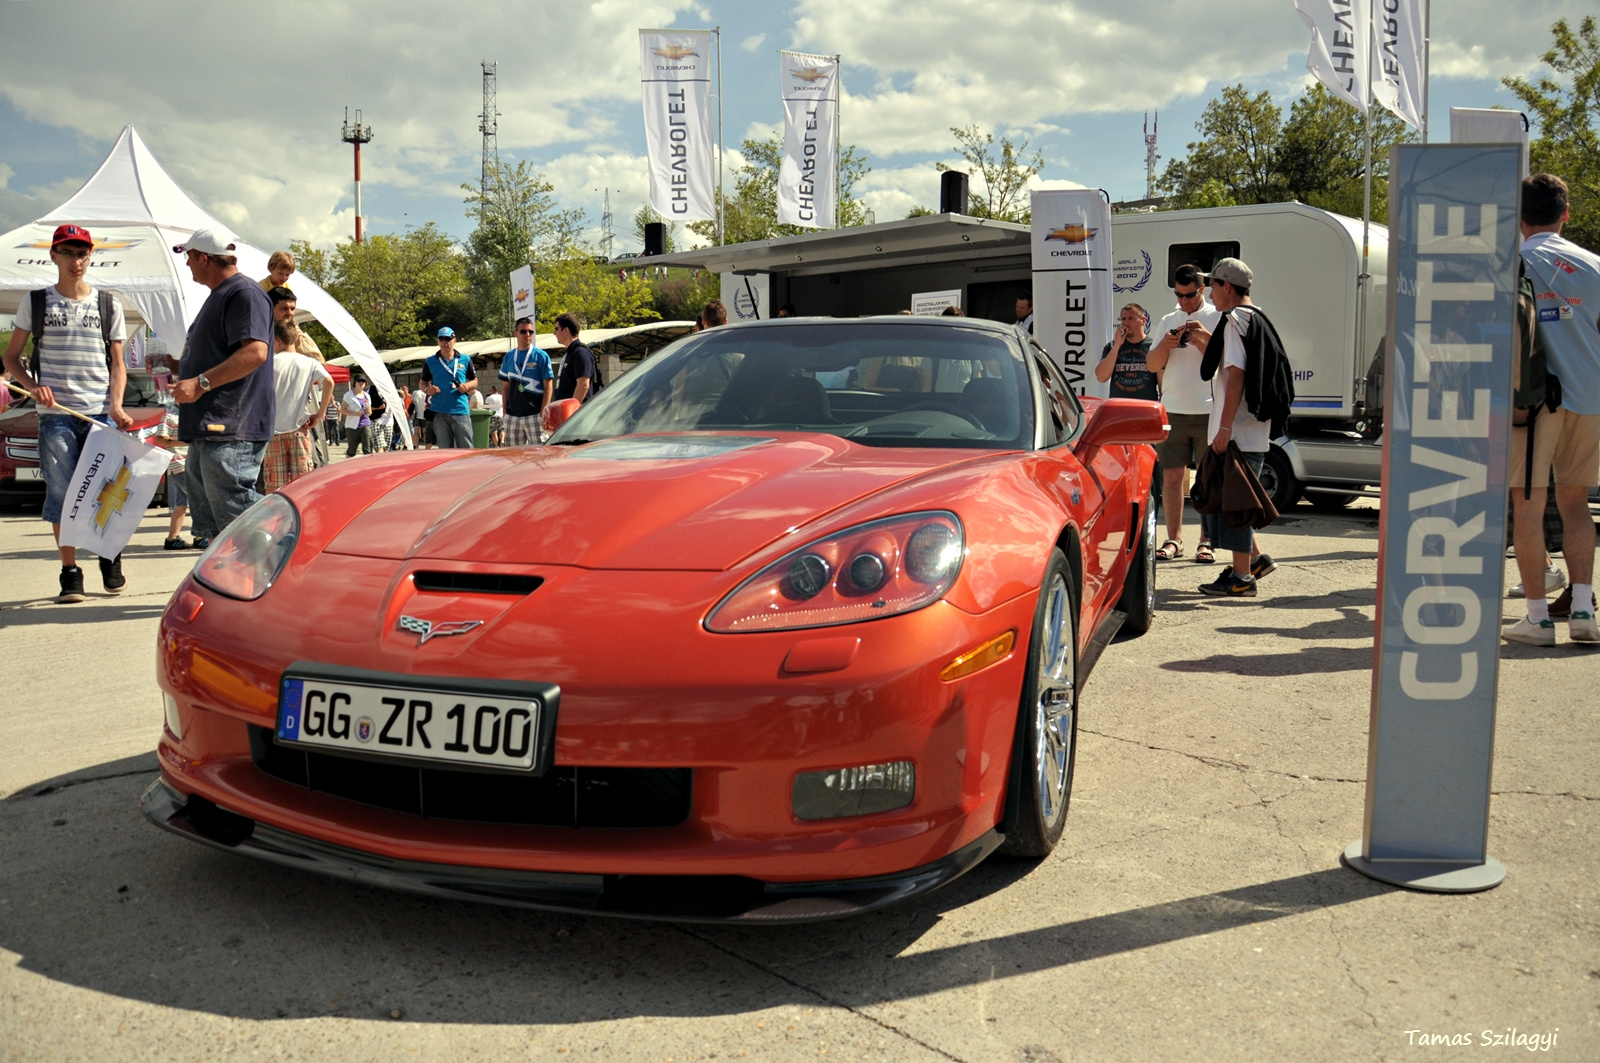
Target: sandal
(1170, 550)
(1203, 555)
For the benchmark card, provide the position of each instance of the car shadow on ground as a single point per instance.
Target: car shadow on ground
(1304, 662)
(93, 896)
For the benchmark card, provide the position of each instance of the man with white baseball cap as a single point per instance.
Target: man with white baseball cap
(226, 410)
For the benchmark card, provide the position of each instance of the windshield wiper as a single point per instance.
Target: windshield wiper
(570, 442)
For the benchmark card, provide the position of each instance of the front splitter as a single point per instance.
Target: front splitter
(674, 898)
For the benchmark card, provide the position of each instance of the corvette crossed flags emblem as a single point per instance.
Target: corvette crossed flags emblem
(428, 629)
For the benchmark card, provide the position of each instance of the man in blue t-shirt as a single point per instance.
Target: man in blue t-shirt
(225, 396)
(524, 384)
(451, 380)
(1566, 443)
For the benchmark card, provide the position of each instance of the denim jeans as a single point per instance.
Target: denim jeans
(453, 431)
(221, 481)
(60, 445)
(1223, 537)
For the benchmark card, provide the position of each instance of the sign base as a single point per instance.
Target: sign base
(1428, 876)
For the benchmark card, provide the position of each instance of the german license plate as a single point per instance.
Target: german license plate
(27, 472)
(460, 728)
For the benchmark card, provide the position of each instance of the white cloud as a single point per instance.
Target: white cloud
(754, 42)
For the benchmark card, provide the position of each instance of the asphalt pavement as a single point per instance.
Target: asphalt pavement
(1196, 908)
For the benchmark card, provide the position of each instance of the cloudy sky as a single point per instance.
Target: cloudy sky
(243, 101)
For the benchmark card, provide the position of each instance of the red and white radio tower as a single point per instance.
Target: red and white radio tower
(358, 135)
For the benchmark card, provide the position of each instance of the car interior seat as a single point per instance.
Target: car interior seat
(900, 377)
(987, 398)
(796, 400)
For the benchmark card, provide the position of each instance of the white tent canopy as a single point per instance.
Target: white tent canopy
(137, 213)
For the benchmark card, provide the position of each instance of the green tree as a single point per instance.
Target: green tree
(645, 215)
(1236, 156)
(1321, 155)
(577, 284)
(396, 287)
(517, 222)
(681, 298)
(1566, 108)
(1004, 195)
(751, 213)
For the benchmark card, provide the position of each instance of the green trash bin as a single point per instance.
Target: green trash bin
(480, 428)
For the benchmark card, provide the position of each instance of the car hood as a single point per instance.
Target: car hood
(665, 502)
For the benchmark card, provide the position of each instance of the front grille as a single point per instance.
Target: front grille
(561, 797)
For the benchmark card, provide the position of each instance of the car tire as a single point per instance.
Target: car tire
(1139, 586)
(1045, 748)
(1278, 480)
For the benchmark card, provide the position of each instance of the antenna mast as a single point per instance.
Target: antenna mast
(489, 125)
(1150, 155)
(357, 135)
(606, 234)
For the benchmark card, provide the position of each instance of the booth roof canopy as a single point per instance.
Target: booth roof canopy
(628, 343)
(860, 246)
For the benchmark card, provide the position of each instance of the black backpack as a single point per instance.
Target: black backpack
(1533, 386)
(37, 298)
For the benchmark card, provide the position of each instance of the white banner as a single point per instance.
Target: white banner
(747, 296)
(932, 304)
(522, 293)
(1072, 275)
(1341, 47)
(110, 489)
(808, 178)
(675, 75)
(1402, 48)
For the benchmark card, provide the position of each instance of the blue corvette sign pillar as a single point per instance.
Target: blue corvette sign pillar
(1452, 278)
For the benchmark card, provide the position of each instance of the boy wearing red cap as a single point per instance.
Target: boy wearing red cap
(80, 368)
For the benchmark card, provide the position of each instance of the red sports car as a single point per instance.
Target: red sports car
(790, 622)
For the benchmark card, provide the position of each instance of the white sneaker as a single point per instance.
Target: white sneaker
(1581, 627)
(1526, 631)
(1554, 580)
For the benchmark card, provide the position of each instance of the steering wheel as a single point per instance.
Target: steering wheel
(946, 407)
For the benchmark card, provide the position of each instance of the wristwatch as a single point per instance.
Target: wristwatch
(204, 381)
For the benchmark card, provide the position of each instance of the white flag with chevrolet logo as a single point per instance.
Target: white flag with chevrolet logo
(110, 489)
(808, 192)
(675, 79)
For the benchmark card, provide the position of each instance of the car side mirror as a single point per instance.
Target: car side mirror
(557, 414)
(1122, 421)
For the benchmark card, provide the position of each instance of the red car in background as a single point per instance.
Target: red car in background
(789, 623)
(21, 483)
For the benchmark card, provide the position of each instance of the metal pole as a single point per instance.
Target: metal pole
(838, 155)
(721, 208)
(1362, 281)
(1427, 50)
(358, 192)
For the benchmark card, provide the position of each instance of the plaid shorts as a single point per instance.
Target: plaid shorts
(288, 458)
(523, 432)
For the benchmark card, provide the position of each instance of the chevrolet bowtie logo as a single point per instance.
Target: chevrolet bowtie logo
(428, 629)
(522, 295)
(1072, 234)
(112, 497)
(810, 73)
(675, 52)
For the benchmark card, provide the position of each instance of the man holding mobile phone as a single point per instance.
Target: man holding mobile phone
(1176, 361)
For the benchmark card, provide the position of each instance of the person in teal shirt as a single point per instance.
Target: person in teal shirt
(451, 380)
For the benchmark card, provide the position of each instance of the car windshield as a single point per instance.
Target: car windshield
(880, 384)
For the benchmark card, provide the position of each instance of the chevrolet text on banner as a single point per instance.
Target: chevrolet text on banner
(1072, 316)
(1401, 46)
(675, 75)
(110, 489)
(522, 305)
(1341, 47)
(808, 190)
(1453, 244)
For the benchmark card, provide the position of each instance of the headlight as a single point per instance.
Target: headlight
(873, 570)
(248, 557)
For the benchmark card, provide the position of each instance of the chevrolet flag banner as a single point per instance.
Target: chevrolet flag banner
(1401, 46)
(110, 489)
(1072, 272)
(522, 293)
(675, 75)
(808, 178)
(1341, 46)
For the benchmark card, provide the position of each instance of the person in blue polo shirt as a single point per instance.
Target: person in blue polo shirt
(451, 382)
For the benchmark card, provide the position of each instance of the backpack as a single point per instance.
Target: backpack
(1533, 386)
(37, 298)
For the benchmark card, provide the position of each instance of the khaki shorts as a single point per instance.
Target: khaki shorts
(1185, 442)
(1564, 441)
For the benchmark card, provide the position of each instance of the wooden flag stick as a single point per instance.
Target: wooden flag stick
(25, 393)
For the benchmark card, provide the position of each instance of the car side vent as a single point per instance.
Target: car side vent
(476, 582)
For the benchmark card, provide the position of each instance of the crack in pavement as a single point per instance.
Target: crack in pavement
(818, 994)
(48, 790)
(39, 603)
(1541, 793)
(1217, 762)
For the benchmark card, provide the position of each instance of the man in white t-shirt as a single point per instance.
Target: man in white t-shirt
(1231, 420)
(80, 370)
(1188, 401)
(303, 389)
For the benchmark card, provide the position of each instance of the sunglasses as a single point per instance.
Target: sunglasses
(524, 332)
(1187, 295)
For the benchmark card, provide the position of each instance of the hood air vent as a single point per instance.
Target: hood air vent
(475, 582)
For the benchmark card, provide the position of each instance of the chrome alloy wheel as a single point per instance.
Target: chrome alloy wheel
(1056, 684)
(1150, 554)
